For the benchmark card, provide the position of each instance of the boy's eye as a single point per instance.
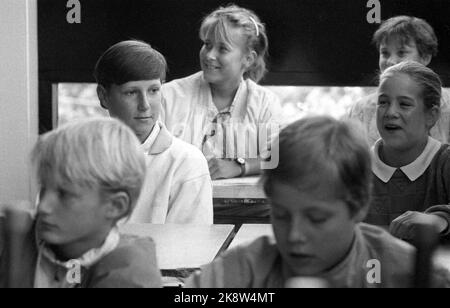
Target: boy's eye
(382, 102)
(64, 193)
(318, 220)
(129, 93)
(154, 90)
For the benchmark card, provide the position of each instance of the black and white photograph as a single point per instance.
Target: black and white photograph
(225, 151)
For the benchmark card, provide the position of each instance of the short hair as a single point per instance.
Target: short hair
(95, 152)
(429, 81)
(222, 19)
(314, 146)
(407, 29)
(129, 61)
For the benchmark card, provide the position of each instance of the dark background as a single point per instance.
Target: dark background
(312, 42)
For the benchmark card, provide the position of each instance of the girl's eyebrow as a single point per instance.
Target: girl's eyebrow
(406, 97)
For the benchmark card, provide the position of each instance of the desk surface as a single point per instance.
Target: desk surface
(249, 232)
(238, 188)
(183, 246)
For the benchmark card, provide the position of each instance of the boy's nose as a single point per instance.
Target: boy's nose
(144, 102)
(392, 61)
(47, 202)
(297, 233)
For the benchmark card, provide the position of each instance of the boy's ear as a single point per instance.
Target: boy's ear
(102, 96)
(118, 206)
(432, 116)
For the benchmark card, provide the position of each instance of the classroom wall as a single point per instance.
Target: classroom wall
(19, 97)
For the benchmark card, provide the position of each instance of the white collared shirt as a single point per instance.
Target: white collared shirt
(413, 171)
(189, 111)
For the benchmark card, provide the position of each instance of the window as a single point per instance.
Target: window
(76, 101)
(79, 100)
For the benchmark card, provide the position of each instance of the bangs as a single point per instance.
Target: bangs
(320, 152)
(57, 162)
(396, 35)
(319, 170)
(219, 28)
(139, 67)
(135, 68)
(96, 153)
(130, 61)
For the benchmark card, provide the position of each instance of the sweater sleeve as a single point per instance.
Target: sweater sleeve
(442, 184)
(444, 212)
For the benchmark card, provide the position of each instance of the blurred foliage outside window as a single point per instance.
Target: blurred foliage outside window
(79, 100)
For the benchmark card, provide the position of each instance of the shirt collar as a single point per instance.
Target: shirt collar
(162, 140)
(239, 98)
(51, 273)
(413, 171)
(146, 146)
(90, 257)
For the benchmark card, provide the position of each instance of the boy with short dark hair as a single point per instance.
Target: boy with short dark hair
(178, 186)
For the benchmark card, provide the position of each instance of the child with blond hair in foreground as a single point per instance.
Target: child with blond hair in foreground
(90, 175)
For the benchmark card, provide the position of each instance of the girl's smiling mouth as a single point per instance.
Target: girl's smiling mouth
(392, 127)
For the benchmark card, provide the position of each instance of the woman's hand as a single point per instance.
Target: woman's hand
(404, 226)
(223, 168)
